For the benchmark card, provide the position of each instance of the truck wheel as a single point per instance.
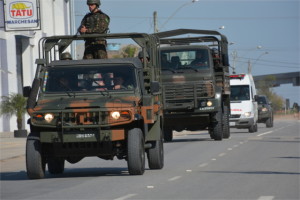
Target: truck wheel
(168, 135)
(217, 128)
(156, 155)
(35, 163)
(226, 129)
(135, 152)
(56, 165)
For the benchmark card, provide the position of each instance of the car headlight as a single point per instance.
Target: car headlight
(247, 114)
(115, 115)
(49, 117)
(264, 109)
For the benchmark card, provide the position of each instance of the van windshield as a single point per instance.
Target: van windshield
(240, 93)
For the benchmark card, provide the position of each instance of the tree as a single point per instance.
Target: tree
(129, 51)
(14, 104)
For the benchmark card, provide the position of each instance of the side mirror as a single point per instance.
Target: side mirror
(154, 87)
(256, 98)
(26, 91)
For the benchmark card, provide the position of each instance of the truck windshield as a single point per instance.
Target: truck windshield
(240, 93)
(89, 78)
(185, 59)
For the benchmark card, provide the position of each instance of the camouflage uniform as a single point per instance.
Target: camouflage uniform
(96, 23)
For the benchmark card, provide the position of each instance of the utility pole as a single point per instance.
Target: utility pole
(234, 56)
(155, 21)
(249, 67)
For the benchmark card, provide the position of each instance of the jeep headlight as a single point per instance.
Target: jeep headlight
(115, 115)
(209, 103)
(49, 117)
(247, 114)
(264, 109)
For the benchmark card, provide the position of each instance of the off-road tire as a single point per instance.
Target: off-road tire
(226, 129)
(156, 155)
(56, 165)
(35, 163)
(217, 127)
(168, 135)
(135, 152)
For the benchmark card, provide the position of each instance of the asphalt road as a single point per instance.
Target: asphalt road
(263, 165)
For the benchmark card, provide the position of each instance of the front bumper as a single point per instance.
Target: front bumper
(241, 122)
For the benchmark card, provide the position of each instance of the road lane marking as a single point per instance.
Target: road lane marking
(203, 165)
(188, 170)
(264, 133)
(213, 159)
(174, 178)
(229, 149)
(126, 197)
(236, 145)
(222, 154)
(265, 198)
(150, 186)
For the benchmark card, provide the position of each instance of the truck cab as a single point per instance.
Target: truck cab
(243, 102)
(195, 81)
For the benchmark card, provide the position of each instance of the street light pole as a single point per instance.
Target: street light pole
(174, 13)
(249, 62)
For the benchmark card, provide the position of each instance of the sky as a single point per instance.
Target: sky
(264, 32)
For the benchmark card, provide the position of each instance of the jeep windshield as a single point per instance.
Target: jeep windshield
(240, 93)
(185, 59)
(66, 79)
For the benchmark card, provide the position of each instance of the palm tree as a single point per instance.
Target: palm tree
(14, 104)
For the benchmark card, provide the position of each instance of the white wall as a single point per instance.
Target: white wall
(54, 21)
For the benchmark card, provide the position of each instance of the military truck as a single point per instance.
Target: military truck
(195, 81)
(103, 108)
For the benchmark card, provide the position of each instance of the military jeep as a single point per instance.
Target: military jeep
(195, 80)
(104, 108)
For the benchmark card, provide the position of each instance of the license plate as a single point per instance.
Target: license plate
(231, 123)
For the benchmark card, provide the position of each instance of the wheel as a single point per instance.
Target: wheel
(226, 129)
(56, 165)
(135, 152)
(168, 135)
(156, 155)
(252, 128)
(269, 122)
(216, 128)
(35, 163)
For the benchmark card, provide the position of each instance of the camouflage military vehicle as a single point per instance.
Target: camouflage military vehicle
(195, 80)
(100, 107)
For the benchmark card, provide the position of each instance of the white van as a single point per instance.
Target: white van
(243, 104)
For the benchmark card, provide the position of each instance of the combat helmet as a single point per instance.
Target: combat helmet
(65, 56)
(97, 2)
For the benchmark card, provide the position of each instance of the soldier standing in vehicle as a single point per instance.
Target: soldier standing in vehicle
(95, 22)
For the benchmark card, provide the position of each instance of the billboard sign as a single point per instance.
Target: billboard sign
(22, 15)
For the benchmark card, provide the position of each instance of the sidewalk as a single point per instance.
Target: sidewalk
(11, 147)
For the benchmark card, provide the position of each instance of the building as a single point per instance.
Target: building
(19, 42)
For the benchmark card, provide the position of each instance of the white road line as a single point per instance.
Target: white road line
(213, 159)
(236, 145)
(264, 133)
(150, 186)
(222, 154)
(229, 149)
(126, 197)
(265, 198)
(188, 170)
(174, 178)
(203, 165)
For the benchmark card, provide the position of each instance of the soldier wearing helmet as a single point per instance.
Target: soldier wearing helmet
(65, 56)
(141, 57)
(95, 22)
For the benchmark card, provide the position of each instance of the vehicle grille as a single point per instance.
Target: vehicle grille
(235, 116)
(82, 118)
(183, 92)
